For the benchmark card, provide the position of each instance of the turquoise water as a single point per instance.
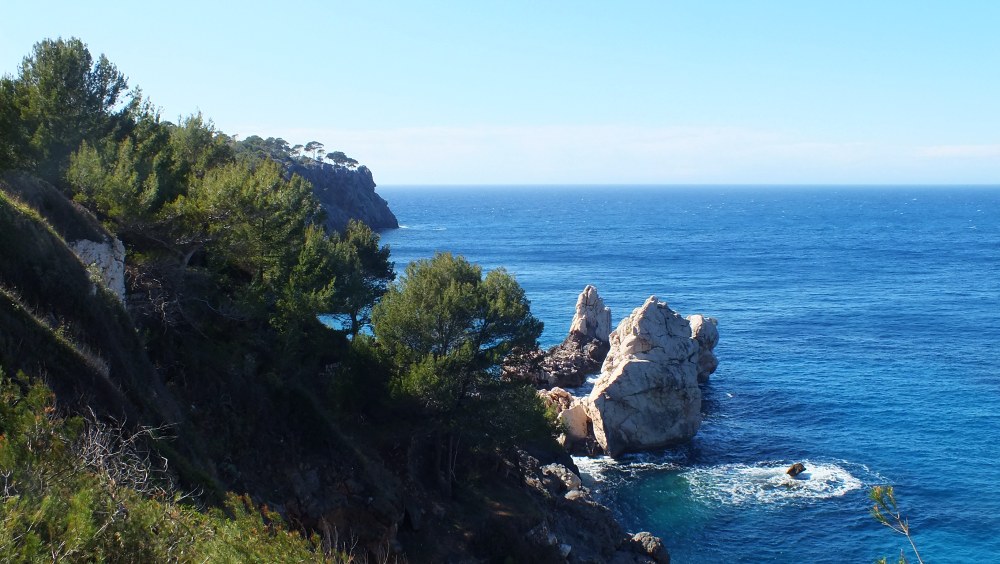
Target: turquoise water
(859, 333)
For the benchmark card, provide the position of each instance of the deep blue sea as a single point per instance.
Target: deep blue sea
(860, 329)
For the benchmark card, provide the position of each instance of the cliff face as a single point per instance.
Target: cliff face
(346, 194)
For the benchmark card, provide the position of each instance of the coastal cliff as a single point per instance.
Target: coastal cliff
(346, 193)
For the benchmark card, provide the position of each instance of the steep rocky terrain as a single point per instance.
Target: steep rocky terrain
(346, 194)
(351, 484)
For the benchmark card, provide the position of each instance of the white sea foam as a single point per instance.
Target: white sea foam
(600, 468)
(734, 484)
(767, 483)
(588, 385)
(424, 227)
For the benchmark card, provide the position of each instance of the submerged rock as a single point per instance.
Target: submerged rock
(650, 546)
(647, 395)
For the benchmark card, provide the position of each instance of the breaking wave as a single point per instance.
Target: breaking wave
(767, 483)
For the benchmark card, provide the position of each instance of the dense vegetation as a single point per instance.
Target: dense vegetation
(218, 347)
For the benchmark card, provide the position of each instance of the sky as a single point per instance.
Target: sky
(517, 92)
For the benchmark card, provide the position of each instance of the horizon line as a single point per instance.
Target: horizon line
(690, 185)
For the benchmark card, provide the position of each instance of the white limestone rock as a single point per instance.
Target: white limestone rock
(592, 319)
(108, 258)
(705, 331)
(574, 421)
(647, 395)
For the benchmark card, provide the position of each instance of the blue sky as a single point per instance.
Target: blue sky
(573, 92)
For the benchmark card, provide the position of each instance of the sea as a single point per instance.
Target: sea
(859, 334)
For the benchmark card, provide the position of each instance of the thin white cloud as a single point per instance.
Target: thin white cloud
(962, 151)
(630, 154)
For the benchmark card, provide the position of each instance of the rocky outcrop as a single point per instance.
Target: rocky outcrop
(556, 398)
(648, 394)
(582, 352)
(574, 528)
(592, 319)
(575, 422)
(568, 364)
(346, 194)
(705, 331)
(106, 259)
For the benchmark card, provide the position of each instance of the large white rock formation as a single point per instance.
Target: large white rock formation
(647, 395)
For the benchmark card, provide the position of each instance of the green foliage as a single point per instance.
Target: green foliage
(339, 158)
(445, 309)
(116, 184)
(448, 328)
(256, 148)
(360, 383)
(12, 136)
(314, 147)
(251, 217)
(886, 511)
(363, 273)
(55, 505)
(130, 181)
(310, 285)
(63, 97)
(198, 147)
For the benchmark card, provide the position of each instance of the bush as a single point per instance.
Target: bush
(58, 505)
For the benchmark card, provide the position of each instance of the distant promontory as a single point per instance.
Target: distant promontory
(346, 193)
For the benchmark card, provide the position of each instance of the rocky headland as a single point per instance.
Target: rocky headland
(346, 193)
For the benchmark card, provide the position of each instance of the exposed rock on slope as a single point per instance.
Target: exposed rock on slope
(52, 322)
(85, 236)
(108, 258)
(647, 395)
(346, 194)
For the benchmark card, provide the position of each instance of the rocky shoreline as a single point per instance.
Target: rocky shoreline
(647, 396)
(651, 367)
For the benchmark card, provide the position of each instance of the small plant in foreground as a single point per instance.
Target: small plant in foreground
(886, 511)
